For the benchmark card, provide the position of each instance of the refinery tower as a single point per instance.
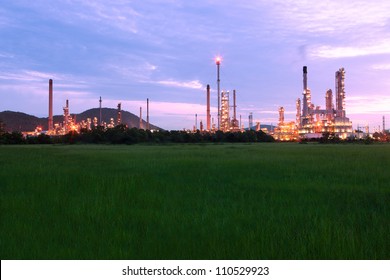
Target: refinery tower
(312, 121)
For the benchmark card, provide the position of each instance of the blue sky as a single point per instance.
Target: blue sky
(164, 50)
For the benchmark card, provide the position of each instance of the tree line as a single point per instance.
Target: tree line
(124, 135)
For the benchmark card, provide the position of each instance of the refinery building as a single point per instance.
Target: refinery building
(312, 121)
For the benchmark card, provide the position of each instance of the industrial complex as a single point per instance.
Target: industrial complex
(311, 121)
(69, 122)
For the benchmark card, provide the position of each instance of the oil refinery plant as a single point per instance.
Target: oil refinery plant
(312, 121)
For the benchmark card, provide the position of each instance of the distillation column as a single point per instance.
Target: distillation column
(250, 121)
(119, 114)
(340, 93)
(281, 116)
(225, 117)
(147, 114)
(66, 116)
(329, 105)
(298, 115)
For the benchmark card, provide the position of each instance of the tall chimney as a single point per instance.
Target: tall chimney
(306, 94)
(208, 109)
(100, 111)
(234, 105)
(50, 124)
(147, 114)
(140, 118)
(384, 125)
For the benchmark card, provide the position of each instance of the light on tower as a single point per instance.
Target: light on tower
(218, 60)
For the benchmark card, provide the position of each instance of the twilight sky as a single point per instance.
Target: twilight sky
(164, 50)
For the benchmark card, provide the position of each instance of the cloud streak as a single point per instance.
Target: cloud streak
(196, 84)
(378, 48)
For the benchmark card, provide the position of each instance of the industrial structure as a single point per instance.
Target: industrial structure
(119, 114)
(250, 120)
(69, 123)
(50, 124)
(285, 131)
(226, 113)
(140, 118)
(208, 115)
(147, 114)
(218, 63)
(384, 124)
(225, 121)
(100, 111)
(312, 121)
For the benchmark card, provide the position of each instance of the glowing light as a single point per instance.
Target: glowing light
(218, 60)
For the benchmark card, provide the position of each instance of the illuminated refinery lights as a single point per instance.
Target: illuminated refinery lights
(225, 119)
(313, 121)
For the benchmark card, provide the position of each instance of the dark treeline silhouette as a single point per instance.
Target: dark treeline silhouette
(331, 138)
(123, 135)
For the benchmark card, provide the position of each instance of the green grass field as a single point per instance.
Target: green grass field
(230, 201)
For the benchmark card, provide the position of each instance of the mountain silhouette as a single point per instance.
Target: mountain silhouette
(18, 121)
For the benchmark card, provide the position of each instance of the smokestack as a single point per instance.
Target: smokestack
(50, 124)
(100, 111)
(140, 118)
(147, 114)
(384, 123)
(218, 63)
(306, 94)
(208, 108)
(234, 105)
(196, 122)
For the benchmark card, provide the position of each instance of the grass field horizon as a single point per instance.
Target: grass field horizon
(195, 201)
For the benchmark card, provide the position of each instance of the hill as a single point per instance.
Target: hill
(18, 121)
(128, 118)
